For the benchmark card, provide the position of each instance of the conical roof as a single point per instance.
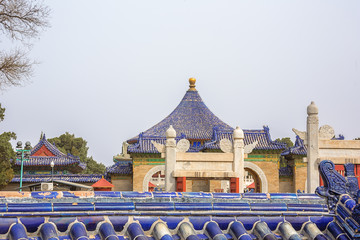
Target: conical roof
(191, 119)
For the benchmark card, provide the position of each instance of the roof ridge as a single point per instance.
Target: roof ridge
(52, 148)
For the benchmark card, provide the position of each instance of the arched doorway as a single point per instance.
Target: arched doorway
(154, 179)
(252, 181)
(258, 176)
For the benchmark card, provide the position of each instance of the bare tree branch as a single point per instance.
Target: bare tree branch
(15, 67)
(19, 20)
(22, 19)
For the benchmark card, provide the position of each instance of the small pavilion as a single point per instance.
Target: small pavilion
(38, 168)
(102, 185)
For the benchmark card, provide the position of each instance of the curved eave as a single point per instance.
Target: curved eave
(120, 168)
(66, 177)
(262, 136)
(52, 148)
(46, 161)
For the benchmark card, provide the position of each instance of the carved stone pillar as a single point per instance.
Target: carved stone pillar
(312, 126)
(238, 149)
(170, 160)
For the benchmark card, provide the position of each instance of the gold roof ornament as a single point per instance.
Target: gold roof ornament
(192, 82)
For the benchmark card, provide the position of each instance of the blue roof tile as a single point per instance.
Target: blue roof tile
(117, 216)
(191, 118)
(120, 167)
(80, 178)
(262, 136)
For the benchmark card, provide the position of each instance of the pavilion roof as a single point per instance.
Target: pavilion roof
(44, 153)
(193, 120)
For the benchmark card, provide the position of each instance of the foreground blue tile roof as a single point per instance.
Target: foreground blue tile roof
(332, 213)
(166, 216)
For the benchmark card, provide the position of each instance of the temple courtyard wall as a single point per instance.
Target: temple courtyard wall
(145, 167)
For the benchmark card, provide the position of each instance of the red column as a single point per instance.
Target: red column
(340, 169)
(181, 184)
(234, 185)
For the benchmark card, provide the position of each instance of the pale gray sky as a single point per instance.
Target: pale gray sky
(111, 69)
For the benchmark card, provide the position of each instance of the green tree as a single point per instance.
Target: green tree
(6, 153)
(2, 113)
(77, 146)
(286, 140)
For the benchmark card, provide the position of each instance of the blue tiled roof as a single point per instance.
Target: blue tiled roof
(298, 149)
(263, 137)
(120, 167)
(45, 161)
(59, 158)
(66, 177)
(192, 120)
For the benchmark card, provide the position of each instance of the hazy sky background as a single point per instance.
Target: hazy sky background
(112, 69)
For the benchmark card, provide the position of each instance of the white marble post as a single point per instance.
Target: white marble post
(312, 132)
(170, 159)
(238, 164)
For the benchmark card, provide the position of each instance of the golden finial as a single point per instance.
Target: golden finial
(192, 84)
